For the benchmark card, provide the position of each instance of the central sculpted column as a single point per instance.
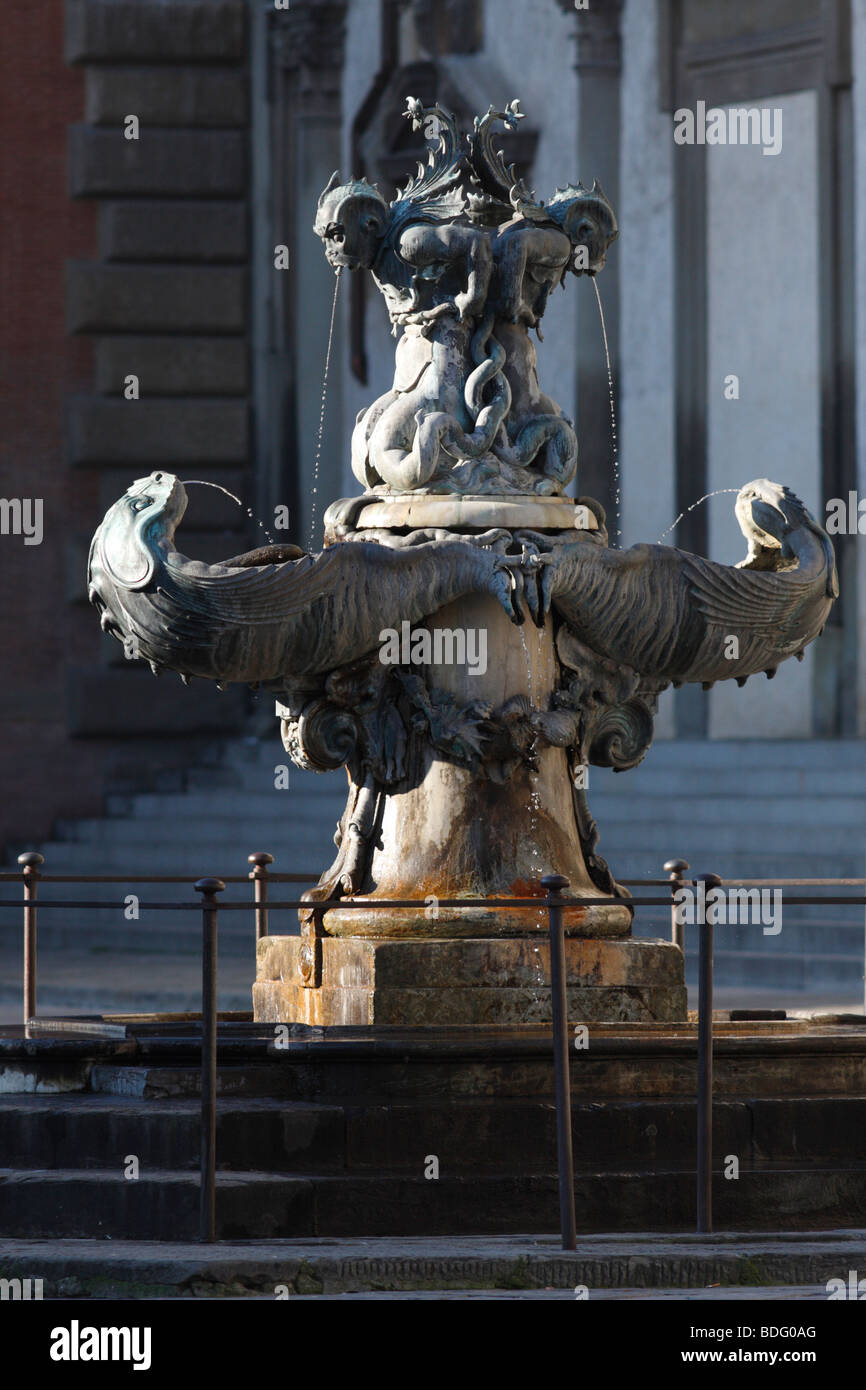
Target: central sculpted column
(467, 778)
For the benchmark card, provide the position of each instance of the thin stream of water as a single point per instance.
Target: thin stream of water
(322, 411)
(705, 498)
(203, 482)
(618, 532)
(534, 806)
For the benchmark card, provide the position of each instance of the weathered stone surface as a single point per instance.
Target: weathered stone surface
(274, 1002)
(446, 831)
(494, 963)
(151, 432)
(172, 366)
(174, 230)
(468, 982)
(196, 30)
(458, 1267)
(174, 96)
(154, 299)
(179, 163)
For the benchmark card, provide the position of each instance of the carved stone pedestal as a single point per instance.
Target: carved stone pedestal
(468, 981)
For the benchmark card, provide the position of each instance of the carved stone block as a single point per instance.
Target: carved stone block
(468, 982)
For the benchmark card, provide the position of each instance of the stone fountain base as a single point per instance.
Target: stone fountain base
(445, 828)
(501, 980)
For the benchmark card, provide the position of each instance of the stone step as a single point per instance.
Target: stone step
(644, 818)
(256, 1205)
(308, 833)
(779, 1067)
(265, 804)
(656, 777)
(820, 845)
(824, 945)
(736, 1266)
(98, 1131)
(125, 993)
(385, 1065)
(715, 809)
(752, 969)
(755, 755)
(191, 860)
(749, 757)
(824, 927)
(104, 931)
(647, 862)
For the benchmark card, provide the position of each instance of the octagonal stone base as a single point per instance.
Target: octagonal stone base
(468, 981)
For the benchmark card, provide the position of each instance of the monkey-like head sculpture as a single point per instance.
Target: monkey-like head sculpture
(588, 220)
(351, 220)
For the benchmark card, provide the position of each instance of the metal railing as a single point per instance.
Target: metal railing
(554, 899)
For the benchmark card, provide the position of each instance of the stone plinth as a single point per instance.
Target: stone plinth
(468, 982)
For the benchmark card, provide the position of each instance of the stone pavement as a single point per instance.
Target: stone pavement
(748, 1266)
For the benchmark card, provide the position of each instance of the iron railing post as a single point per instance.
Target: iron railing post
(555, 884)
(30, 863)
(676, 868)
(208, 887)
(705, 1063)
(259, 875)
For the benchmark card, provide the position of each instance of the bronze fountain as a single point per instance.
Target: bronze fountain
(464, 782)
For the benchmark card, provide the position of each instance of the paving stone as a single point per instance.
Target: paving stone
(175, 230)
(196, 30)
(174, 96)
(170, 163)
(154, 299)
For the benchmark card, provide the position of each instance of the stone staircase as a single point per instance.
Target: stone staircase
(203, 821)
(334, 1134)
(750, 808)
